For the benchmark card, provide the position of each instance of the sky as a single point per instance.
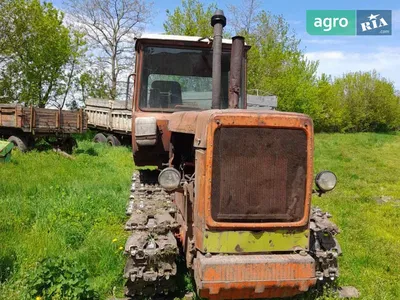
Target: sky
(336, 54)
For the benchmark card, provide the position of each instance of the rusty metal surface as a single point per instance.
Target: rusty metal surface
(246, 276)
(184, 122)
(42, 120)
(197, 122)
(259, 174)
(218, 21)
(205, 120)
(245, 119)
(235, 76)
(154, 155)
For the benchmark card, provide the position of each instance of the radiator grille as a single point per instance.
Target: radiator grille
(259, 174)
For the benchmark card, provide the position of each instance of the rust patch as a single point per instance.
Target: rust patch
(277, 192)
(238, 248)
(245, 276)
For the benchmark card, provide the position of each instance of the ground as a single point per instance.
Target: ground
(69, 215)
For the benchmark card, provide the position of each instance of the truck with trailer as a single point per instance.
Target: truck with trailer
(25, 126)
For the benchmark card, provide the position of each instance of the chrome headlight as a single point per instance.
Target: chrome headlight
(169, 179)
(326, 181)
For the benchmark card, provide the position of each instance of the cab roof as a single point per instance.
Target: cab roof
(180, 38)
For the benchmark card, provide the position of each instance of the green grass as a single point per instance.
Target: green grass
(368, 167)
(53, 207)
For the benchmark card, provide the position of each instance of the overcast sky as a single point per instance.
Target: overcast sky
(337, 54)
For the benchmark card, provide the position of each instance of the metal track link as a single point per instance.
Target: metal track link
(151, 248)
(323, 245)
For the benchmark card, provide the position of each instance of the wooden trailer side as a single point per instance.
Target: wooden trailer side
(11, 115)
(42, 120)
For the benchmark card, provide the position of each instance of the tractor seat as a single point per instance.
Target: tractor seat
(165, 94)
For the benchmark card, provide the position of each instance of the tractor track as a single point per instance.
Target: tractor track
(151, 248)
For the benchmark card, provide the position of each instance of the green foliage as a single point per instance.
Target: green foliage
(192, 19)
(94, 84)
(368, 101)
(52, 207)
(57, 278)
(277, 66)
(36, 49)
(360, 101)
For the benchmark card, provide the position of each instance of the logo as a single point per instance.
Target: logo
(349, 22)
(374, 22)
(331, 22)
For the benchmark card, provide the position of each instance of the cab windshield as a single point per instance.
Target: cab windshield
(175, 79)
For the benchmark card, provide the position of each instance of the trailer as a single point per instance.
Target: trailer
(112, 120)
(25, 126)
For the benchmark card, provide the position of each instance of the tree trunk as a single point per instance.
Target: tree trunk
(114, 76)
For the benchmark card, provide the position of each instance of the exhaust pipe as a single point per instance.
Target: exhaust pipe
(218, 21)
(236, 71)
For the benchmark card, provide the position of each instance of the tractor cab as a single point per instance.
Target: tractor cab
(174, 73)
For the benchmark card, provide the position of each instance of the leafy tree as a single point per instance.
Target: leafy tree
(93, 83)
(36, 48)
(192, 19)
(368, 101)
(276, 64)
(328, 111)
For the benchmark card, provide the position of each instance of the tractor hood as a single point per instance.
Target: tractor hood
(199, 123)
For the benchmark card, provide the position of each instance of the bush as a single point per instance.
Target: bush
(356, 102)
(58, 278)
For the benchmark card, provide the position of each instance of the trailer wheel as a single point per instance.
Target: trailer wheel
(68, 145)
(100, 138)
(19, 143)
(113, 141)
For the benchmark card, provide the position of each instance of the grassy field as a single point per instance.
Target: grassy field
(69, 214)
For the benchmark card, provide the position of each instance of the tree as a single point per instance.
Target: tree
(242, 16)
(276, 64)
(36, 48)
(192, 19)
(93, 83)
(110, 27)
(368, 101)
(71, 73)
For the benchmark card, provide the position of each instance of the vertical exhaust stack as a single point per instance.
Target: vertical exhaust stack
(218, 21)
(236, 71)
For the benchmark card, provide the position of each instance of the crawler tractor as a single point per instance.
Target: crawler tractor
(231, 191)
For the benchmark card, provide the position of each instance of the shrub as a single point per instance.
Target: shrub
(58, 278)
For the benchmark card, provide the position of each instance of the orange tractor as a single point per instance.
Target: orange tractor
(231, 191)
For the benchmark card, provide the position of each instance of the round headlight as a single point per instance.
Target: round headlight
(326, 181)
(169, 179)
